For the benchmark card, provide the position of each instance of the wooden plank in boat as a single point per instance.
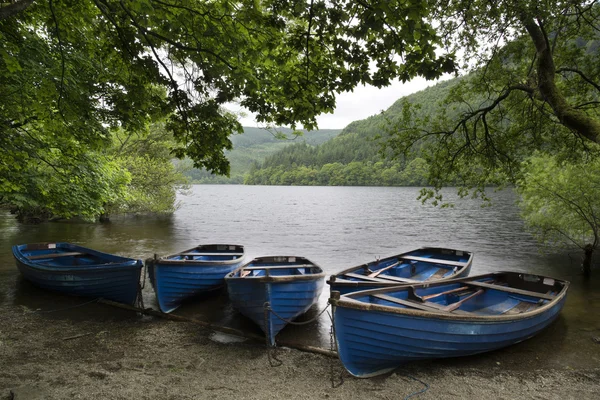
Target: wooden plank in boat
(398, 279)
(520, 308)
(420, 306)
(380, 278)
(456, 290)
(454, 306)
(511, 290)
(363, 277)
(379, 271)
(435, 261)
(438, 274)
(278, 267)
(55, 255)
(407, 303)
(209, 254)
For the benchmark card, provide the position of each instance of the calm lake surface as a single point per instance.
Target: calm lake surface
(336, 227)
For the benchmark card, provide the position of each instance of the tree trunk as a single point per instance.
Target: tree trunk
(588, 251)
(574, 119)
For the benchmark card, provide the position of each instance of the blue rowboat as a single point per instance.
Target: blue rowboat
(77, 270)
(426, 264)
(192, 272)
(290, 286)
(378, 330)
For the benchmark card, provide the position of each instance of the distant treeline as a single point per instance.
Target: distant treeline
(337, 174)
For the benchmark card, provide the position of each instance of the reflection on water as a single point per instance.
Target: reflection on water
(336, 227)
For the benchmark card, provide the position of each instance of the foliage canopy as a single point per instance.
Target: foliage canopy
(534, 85)
(72, 72)
(75, 69)
(560, 202)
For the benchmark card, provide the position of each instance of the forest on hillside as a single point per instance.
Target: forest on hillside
(252, 147)
(356, 157)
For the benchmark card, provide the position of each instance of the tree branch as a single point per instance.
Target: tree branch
(62, 56)
(172, 42)
(581, 74)
(7, 11)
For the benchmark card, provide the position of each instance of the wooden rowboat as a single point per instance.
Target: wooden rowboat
(273, 290)
(77, 270)
(379, 330)
(426, 264)
(192, 272)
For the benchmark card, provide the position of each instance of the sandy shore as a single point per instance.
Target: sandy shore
(128, 356)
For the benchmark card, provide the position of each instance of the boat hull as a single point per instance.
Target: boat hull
(288, 300)
(373, 343)
(379, 330)
(271, 301)
(116, 278)
(175, 284)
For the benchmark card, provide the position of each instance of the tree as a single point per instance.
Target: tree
(154, 178)
(73, 71)
(90, 64)
(560, 203)
(56, 187)
(534, 84)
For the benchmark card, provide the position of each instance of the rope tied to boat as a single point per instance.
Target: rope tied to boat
(426, 388)
(66, 308)
(332, 362)
(267, 307)
(273, 360)
(143, 275)
(271, 348)
(141, 286)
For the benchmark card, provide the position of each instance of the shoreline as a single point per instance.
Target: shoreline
(58, 355)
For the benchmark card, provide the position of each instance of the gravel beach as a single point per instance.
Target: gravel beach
(129, 356)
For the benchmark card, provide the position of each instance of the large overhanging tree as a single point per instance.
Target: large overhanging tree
(73, 70)
(533, 87)
(533, 84)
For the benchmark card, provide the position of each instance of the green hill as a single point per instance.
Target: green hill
(252, 147)
(355, 156)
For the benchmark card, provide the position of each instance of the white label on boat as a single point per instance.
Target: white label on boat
(231, 247)
(459, 253)
(549, 281)
(291, 259)
(51, 245)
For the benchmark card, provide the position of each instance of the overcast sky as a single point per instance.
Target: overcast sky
(360, 104)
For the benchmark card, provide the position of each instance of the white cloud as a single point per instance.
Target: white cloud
(362, 103)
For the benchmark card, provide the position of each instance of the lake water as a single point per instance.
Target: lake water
(336, 227)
